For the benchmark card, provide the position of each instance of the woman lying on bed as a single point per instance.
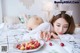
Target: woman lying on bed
(59, 25)
(62, 24)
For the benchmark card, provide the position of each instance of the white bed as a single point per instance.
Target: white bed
(33, 34)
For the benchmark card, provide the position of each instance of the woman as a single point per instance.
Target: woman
(62, 24)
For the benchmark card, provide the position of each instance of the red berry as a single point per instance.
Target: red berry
(38, 44)
(18, 46)
(24, 44)
(62, 44)
(32, 41)
(27, 48)
(50, 44)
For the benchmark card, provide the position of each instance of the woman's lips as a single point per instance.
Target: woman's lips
(60, 33)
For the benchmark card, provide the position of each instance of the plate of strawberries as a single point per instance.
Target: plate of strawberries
(29, 45)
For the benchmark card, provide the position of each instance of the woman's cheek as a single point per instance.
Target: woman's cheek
(56, 29)
(64, 30)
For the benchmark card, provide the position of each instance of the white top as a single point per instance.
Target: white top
(35, 33)
(46, 26)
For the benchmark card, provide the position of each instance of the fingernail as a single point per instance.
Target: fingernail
(48, 38)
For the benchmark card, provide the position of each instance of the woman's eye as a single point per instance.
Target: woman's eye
(65, 26)
(58, 25)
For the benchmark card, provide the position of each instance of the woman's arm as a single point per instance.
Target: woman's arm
(42, 27)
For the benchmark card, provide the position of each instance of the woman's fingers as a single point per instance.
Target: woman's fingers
(44, 35)
(48, 36)
(54, 36)
(41, 34)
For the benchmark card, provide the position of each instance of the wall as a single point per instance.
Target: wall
(16, 7)
(13, 7)
(0, 12)
(75, 10)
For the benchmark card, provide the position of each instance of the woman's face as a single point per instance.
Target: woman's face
(60, 26)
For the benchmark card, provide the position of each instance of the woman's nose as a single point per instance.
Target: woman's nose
(61, 29)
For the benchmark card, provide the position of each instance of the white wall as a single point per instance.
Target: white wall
(16, 7)
(75, 8)
(76, 12)
(0, 12)
(13, 7)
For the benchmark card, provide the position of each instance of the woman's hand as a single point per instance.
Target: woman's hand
(45, 35)
(54, 36)
(48, 36)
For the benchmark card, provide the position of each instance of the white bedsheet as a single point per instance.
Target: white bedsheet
(68, 39)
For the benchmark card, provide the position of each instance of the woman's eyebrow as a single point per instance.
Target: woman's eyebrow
(58, 23)
(64, 24)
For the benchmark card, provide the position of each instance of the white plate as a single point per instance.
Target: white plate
(41, 44)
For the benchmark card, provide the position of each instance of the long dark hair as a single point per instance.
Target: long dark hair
(68, 18)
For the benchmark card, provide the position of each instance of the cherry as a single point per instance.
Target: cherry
(62, 44)
(50, 44)
(18, 46)
(24, 44)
